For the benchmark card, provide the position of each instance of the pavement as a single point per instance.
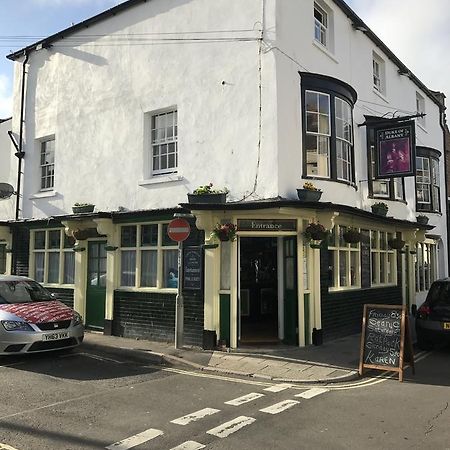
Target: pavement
(332, 362)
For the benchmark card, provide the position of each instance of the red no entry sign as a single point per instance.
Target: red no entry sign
(178, 230)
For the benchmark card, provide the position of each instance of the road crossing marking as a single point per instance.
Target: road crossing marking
(197, 415)
(278, 387)
(310, 393)
(189, 445)
(280, 407)
(6, 447)
(227, 428)
(244, 399)
(135, 440)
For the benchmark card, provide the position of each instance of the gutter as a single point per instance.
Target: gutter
(20, 153)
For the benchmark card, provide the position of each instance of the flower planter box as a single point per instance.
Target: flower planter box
(83, 209)
(307, 195)
(207, 198)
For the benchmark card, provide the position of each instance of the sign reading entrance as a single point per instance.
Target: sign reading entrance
(178, 230)
(193, 268)
(267, 224)
(385, 331)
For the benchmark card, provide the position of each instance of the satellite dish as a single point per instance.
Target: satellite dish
(6, 190)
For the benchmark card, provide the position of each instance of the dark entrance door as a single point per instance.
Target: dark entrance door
(290, 290)
(96, 285)
(258, 290)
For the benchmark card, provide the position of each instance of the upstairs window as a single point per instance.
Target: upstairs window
(320, 25)
(344, 139)
(427, 180)
(420, 108)
(379, 77)
(47, 164)
(164, 143)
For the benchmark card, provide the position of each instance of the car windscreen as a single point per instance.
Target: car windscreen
(439, 295)
(22, 291)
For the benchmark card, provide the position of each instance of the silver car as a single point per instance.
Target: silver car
(33, 320)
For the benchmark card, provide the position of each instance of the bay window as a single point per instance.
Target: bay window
(425, 265)
(427, 180)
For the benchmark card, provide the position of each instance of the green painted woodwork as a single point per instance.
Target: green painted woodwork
(306, 298)
(290, 290)
(96, 285)
(225, 318)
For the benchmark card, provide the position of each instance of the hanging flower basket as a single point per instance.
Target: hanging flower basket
(315, 232)
(380, 208)
(423, 220)
(396, 243)
(224, 232)
(352, 235)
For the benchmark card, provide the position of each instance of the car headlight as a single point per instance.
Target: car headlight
(77, 319)
(13, 325)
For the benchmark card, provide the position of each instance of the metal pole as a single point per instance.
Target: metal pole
(179, 312)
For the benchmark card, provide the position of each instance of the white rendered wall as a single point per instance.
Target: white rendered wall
(8, 170)
(94, 97)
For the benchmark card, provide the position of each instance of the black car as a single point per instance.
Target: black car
(433, 317)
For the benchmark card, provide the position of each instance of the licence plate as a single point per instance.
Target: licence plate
(446, 325)
(55, 336)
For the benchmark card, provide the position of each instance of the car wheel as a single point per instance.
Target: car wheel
(424, 343)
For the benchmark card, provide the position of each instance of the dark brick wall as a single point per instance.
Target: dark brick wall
(65, 295)
(144, 315)
(20, 245)
(342, 311)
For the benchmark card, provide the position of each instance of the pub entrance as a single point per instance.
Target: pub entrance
(267, 295)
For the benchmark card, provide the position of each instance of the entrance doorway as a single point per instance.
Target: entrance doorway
(96, 285)
(258, 290)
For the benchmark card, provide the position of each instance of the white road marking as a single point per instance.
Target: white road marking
(278, 387)
(244, 399)
(136, 440)
(310, 393)
(197, 415)
(227, 428)
(99, 358)
(189, 445)
(280, 407)
(6, 447)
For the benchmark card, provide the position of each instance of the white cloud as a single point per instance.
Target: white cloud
(5, 97)
(417, 32)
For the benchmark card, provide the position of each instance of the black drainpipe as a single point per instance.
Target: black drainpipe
(20, 153)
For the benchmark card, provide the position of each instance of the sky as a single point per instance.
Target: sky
(418, 35)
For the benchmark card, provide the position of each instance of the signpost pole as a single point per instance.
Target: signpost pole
(179, 312)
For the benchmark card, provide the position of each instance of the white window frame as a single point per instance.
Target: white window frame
(321, 30)
(47, 170)
(426, 252)
(320, 136)
(159, 146)
(378, 74)
(345, 142)
(61, 251)
(423, 181)
(420, 109)
(378, 253)
(159, 248)
(336, 246)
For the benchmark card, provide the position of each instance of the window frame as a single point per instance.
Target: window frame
(340, 246)
(155, 143)
(138, 248)
(420, 109)
(321, 27)
(430, 247)
(379, 252)
(46, 251)
(47, 170)
(334, 89)
(379, 78)
(432, 156)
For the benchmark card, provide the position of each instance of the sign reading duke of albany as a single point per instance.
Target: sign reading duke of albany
(395, 150)
(267, 224)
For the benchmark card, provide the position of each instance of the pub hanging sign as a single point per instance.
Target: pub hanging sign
(395, 150)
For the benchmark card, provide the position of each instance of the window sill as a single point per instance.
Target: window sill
(43, 194)
(377, 286)
(347, 183)
(380, 197)
(325, 50)
(381, 95)
(148, 290)
(58, 286)
(158, 179)
(343, 289)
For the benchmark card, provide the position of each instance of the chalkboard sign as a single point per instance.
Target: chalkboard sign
(384, 333)
(193, 268)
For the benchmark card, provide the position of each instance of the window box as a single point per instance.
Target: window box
(308, 195)
(79, 209)
(207, 198)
